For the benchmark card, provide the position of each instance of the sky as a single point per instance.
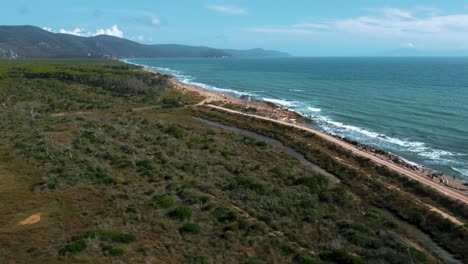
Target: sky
(300, 27)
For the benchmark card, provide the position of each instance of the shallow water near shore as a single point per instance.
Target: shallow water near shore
(416, 108)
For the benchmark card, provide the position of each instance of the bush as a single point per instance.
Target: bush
(286, 250)
(107, 235)
(174, 130)
(117, 252)
(73, 247)
(191, 228)
(181, 213)
(163, 201)
(340, 256)
(313, 182)
(102, 176)
(304, 259)
(170, 103)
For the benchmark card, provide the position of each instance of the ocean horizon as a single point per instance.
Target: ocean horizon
(413, 107)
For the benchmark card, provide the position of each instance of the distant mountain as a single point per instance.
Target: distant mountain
(34, 42)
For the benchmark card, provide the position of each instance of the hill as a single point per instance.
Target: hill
(34, 42)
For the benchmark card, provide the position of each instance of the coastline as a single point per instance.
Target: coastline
(273, 112)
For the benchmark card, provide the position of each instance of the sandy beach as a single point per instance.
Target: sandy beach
(449, 186)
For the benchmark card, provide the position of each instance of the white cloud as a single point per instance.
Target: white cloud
(311, 26)
(391, 12)
(48, 29)
(228, 9)
(155, 22)
(424, 25)
(410, 45)
(457, 23)
(76, 32)
(296, 29)
(281, 30)
(113, 31)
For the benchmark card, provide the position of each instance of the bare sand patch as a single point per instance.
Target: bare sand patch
(31, 220)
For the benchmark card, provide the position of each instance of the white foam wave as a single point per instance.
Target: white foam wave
(411, 163)
(419, 148)
(314, 109)
(280, 102)
(214, 88)
(295, 90)
(435, 154)
(463, 171)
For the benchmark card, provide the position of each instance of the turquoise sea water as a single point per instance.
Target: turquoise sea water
(416, 108)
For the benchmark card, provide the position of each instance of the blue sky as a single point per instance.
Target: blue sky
(301, 27)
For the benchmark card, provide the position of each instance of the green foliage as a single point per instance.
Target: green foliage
(174, 130)
(305, 259)
(190, 228)
(163, 201)
(181, 213)
(251, 261)
(340, 256)
(74, 247)
(315, 182)
(117, 252)
(286, 250)
(170, 103)
(107, 235)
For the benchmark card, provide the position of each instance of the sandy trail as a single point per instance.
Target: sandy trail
(31, 220)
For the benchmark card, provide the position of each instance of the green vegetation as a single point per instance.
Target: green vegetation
(191, 228)
(112, 159)
(181, 213)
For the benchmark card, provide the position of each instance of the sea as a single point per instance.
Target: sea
(416, 108)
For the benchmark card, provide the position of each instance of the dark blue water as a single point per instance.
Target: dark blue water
(416, 108)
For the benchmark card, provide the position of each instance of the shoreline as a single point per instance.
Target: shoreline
(271, 111)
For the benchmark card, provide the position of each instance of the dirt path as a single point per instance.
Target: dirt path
(76, 113)
(31, 220)
(402, 170)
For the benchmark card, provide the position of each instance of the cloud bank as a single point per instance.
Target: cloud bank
(112, 31)
(382, 23)
(232, 10)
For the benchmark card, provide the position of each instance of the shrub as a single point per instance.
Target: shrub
(174, 130)
(131, 208)
(286, 250)
(170, 103)
(313, 182)
(340, 256)
(190, 228)
(145, 164)
(304, 259)
(181, 213)
(224, 214)
(107, 235)
(117, 252)
(73, 247)
(102, 176)
(163, 201)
